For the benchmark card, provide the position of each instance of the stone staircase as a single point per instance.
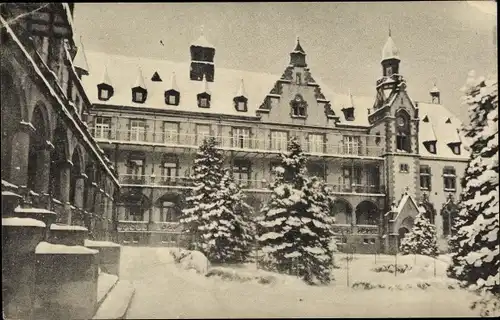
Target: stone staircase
(53, 271)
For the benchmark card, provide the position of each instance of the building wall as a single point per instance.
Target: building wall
(438, 195)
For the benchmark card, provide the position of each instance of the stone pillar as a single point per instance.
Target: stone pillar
(79, 188)
(19, 158)
(65, 183)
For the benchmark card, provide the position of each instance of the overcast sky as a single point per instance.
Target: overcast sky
(438, 41)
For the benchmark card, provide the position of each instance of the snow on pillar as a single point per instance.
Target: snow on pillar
(19, 158)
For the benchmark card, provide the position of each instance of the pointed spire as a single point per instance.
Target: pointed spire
(434, 88)
(298, 47)
(80, 61)
(202, 41)
(389, 29)
(105, 76)
(204, 85)
(241, 90)
(390, 51)
(139, 82)
(174, 83)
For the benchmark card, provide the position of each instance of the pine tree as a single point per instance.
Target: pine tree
(206, 178)
(295, 228)
(421, 239)
(475, 260)
(226, 230)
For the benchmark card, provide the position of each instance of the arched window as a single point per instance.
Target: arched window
(403, 142)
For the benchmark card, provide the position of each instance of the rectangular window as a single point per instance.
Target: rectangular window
(241, 138)
(279, 140)
(203, 102)
(402, 143)
(102, 128)
(241, 106)
(298, 110)
(138, 96)
(135, 170)
(103, 94)
(403, 167)
(171, 99)
(352, 145)
(373, 179)
(425, 178)
(137, 130)
(241, 171)
(171, 132)
(298, 78)
(169, 169)
(316, 143)
(449, 179)
(202, 132)
(352, 177)
(389, 71)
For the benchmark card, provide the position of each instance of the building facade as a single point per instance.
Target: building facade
(48, 155)
(149, 116)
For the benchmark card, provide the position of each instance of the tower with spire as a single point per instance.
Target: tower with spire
(202, 59)
(435, 94)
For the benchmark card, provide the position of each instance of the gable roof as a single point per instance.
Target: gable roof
(407, 198)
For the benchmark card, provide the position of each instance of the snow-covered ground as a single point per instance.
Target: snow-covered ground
(164, 290)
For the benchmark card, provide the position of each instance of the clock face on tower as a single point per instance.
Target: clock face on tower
(400, 121)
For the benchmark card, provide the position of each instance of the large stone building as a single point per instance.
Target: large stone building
(379, 154)
(48, 154)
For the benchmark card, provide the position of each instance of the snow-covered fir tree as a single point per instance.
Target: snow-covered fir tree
(421, 239)
(295, 230)
(206, 179)
(475, 256)
(227, 231)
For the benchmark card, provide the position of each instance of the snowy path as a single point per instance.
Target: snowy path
(164, 291)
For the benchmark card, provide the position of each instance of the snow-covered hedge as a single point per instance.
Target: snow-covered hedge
(191, 260)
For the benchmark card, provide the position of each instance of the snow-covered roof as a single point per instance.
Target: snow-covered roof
(92, 243)
(122, 71)
(81, 59)
(139, 82)
(241, 90)
(105, 77)
(390, 51)
(439, 130)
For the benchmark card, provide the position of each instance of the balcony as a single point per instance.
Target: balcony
(344, 229)
(146, 226)
(183, 182)
(240, 144)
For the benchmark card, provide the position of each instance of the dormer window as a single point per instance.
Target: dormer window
(448, 120)
(172, 97)
(204, 100)
(430, 146)
(348, 113)
(139, 95)
(455, 147)
(426, 119)
(299, 107)
(104, 91)
(241, 104)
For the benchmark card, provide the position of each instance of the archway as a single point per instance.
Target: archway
(38, 159)
(134, 204)
(11, 117)
(367, 213)
(401, 234)
(170, 205)
(342, 210)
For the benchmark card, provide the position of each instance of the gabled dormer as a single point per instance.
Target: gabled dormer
(204, 96)
(349, 110)
(241, 99)
(172, 95)
(139, 91)
(105, 89)
(455, 147)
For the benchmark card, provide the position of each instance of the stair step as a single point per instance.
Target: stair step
(116, 304)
